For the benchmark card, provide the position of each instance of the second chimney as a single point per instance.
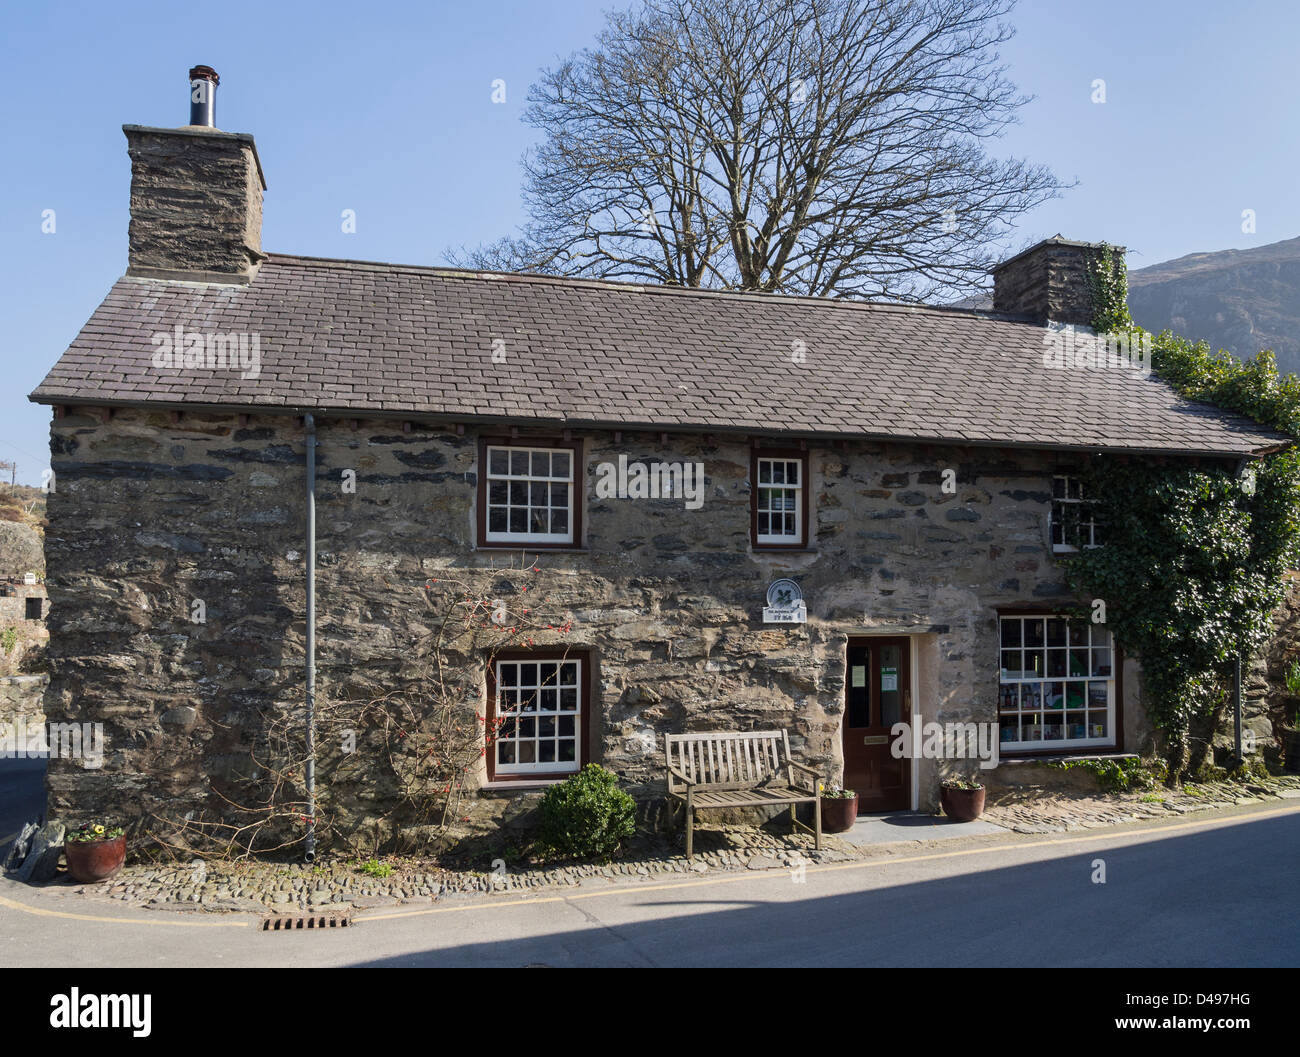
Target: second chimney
(1050, 282)
(196, 196)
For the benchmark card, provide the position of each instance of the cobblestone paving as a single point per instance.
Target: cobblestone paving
(1033, 811)
(335, 884)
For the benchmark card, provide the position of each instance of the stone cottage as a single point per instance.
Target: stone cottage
(913, 471)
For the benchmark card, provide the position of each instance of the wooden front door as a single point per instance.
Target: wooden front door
(877, 694)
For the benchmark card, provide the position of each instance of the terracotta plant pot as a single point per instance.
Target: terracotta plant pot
(962, 805)
(94, 861)
(839, 813)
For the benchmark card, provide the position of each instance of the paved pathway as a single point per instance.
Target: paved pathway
(1217, 890)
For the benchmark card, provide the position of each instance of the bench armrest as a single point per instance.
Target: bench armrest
(681, 777)
(815, 774)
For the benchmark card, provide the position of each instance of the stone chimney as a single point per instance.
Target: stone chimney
(196, 196)
(1049, 282)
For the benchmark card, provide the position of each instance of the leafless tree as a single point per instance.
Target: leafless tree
(824, 147)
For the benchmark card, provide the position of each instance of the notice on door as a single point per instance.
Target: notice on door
(859, 675)
(888, 679)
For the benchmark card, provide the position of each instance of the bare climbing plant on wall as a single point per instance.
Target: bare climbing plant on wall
(392, 768)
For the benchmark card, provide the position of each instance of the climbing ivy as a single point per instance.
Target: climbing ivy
(1108, 278)
(1195, 552)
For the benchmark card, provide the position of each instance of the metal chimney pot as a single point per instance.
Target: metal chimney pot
(203, 96)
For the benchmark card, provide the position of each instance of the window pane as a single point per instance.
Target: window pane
(519, 463)
(560, 465)
(559, 495)
(497, 519)
(569, 673)
(518, 519)
(1100, 662)
(764, 472)
(1010, 632)
(1011, 666)
(519, 493)
(538, 492)
(541, 464)
(509, 675)
(498, 461)
(1055, 632)
(1034, 631)
(568, 751)
(559, 522)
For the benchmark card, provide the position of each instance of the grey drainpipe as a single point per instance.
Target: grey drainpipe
(1236, 709)
(309, 847)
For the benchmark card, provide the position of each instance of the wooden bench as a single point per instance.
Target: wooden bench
(724, 769)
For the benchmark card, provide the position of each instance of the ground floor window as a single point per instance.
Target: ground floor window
(537, 715)
(1057, 684)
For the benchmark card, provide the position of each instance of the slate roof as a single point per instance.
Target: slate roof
(345, 336)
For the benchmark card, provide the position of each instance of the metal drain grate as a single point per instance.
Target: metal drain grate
(291, 922)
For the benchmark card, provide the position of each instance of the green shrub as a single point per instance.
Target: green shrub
(587, 816)
(375, 868)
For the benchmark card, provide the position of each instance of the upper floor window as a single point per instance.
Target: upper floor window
(528, 495)
(780, 504)
(1073, 520)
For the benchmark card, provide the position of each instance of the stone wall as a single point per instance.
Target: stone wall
(151, 515)
(21, 707)
(13, 602)
(1267, 704)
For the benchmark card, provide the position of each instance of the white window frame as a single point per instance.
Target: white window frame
(795, 489)
(528, 480)
(522, 716)
(1071, 488)
(1018, 685)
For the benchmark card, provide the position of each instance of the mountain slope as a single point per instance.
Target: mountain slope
(1239, 300)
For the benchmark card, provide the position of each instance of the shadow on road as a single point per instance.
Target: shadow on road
(1211, 898)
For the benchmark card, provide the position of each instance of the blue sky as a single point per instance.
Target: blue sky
(386, 109)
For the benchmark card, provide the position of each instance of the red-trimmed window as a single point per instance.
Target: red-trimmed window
(780, 499)
(529, 495)
(538, 706)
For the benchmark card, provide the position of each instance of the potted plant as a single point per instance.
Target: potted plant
(962, 798)
(95, 851)
(839, 808)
